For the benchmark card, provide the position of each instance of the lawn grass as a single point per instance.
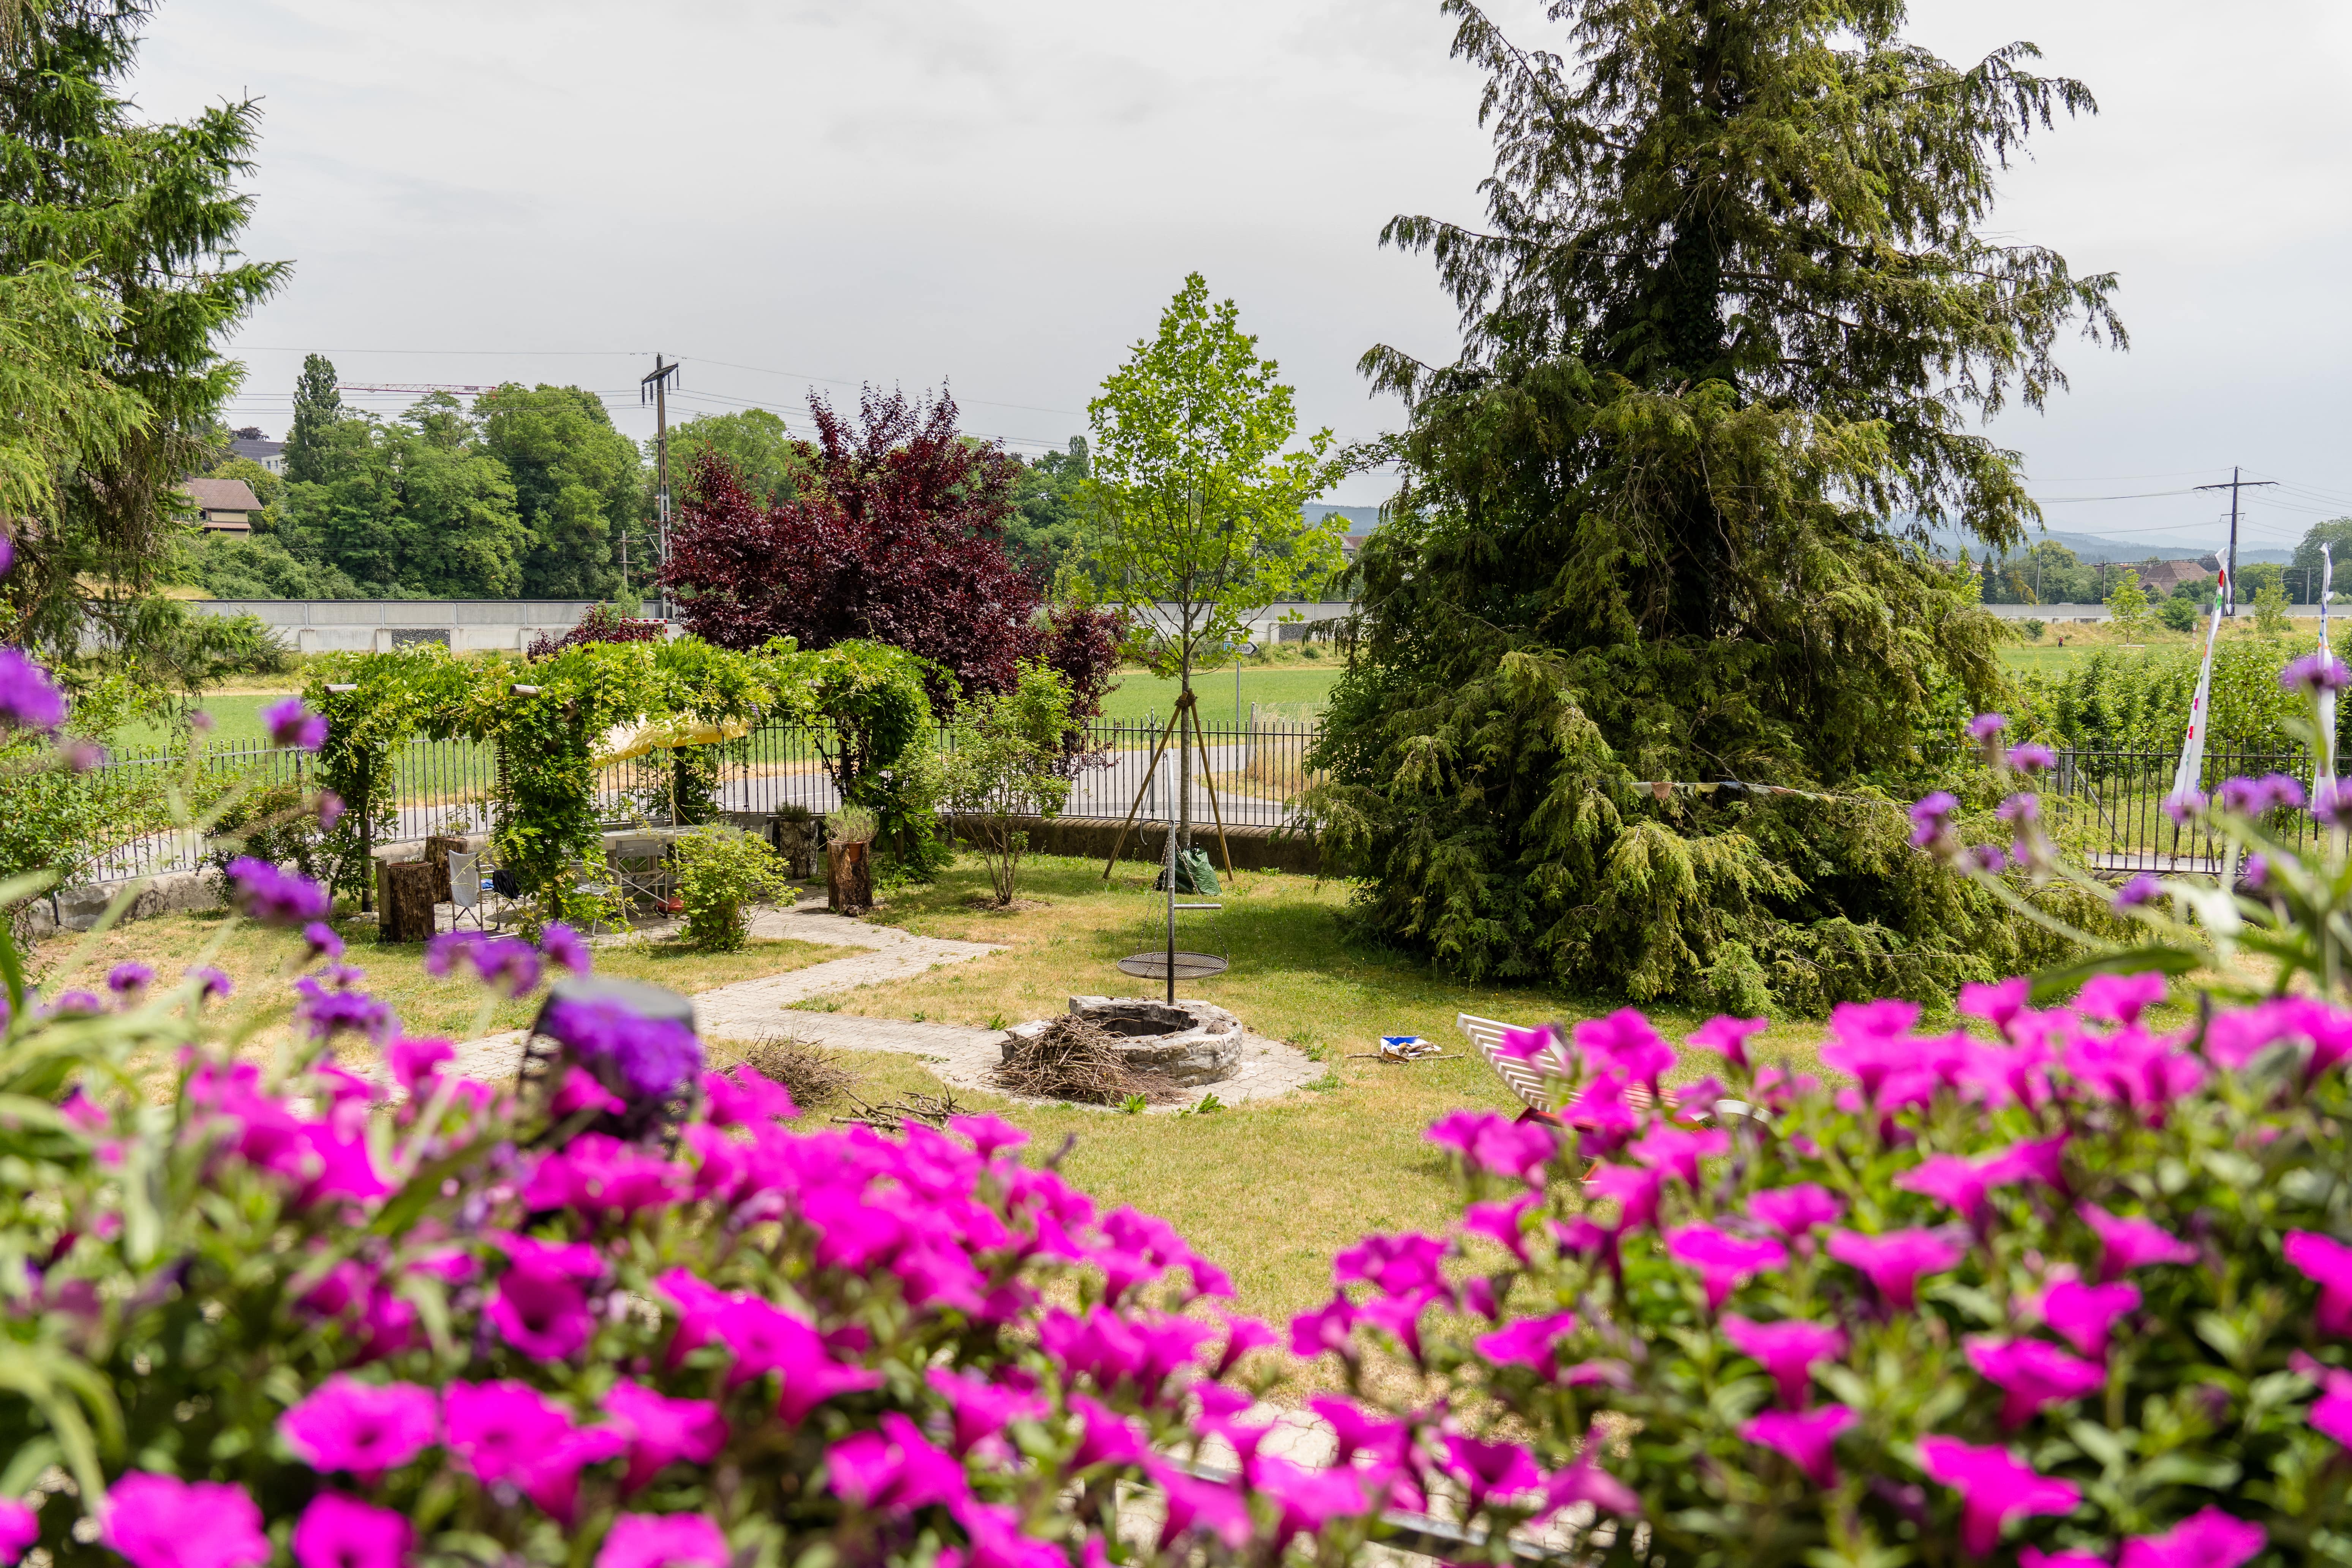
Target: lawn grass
(1298, 687)
(1269, 1191)
(257, 959)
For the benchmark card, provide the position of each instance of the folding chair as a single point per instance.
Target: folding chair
(469, 880)
(1520, 1078)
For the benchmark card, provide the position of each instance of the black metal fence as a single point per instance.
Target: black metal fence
(1256, 771)
(2104, 807)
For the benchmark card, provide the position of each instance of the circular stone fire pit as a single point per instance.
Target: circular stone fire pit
(1188, 1042)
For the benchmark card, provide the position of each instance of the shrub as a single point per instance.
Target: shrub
(2033, 629)
(278, 823)
(721, 873)
(2178, 614)
(1006, 761)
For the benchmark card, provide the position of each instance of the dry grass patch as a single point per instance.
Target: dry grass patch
(261, 961)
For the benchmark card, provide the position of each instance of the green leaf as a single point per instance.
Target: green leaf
(2061, 981)
(2221, 1334)
(2105, 1448)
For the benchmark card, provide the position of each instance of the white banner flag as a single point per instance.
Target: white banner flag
(2326, 695)
(2192, 750)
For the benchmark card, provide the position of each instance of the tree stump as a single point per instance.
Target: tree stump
(408, 900)
(849, 878)
(437, 855)
(796, 843)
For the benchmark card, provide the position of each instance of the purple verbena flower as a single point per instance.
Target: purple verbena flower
(1988, 858)
(2185, 807)
(507, 964)
(1931, 819)
(331, 810)
(2139, 890)
(83, 756)
(2314, 673)
(650, 1058)
(322, 940)
(129, 980)
(560, 944)
(292, 724)
(210, 983)
(27, 699)
(2031, 757)
(263, 892)
(1985, 726)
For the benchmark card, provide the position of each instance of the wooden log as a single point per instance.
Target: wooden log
(849, 878)
(408, 900)
(437, 855)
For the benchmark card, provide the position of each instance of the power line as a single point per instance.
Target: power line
(2236, 483)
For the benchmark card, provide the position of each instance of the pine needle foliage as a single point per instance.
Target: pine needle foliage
(1728, 328)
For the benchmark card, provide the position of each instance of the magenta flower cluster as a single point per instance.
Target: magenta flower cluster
(1742, 1269)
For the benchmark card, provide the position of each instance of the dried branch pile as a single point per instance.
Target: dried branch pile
(1072, 1060)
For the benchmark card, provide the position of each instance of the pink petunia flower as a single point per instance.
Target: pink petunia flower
(1951, 1180)
(1635, 1190)
(2082, 1315)
(1675, 1152)
(1725, 1262)
(509, 1431)
(1488, 1141)
(895, 1471)
(2329, 1263)
(339, 1531)
(1585, 1482)
(1997, 1003)
(1490, 1470)
(1529, 1342)
(2132, 1243)
(1806, 1440)
(2119, 999)
(664, 1540)
(1728, 1036)
(1787, 1351)
(1206, 1508)
(538, 1305)
(1626, 1041)
(1501, 1223)
(20, 1526)
(2032, 1373)
(364, 1429)
(2206, 1539)
(1795, 1210)
(2331, 1413)
(160, 1522)
(662, 1431)
(1392, 1265)
(980, 1410)
(1311, 1333)
(1894, 1261)
(1870, 1041)
(1994, 1489)
(2042, 1160)
(747, 1098)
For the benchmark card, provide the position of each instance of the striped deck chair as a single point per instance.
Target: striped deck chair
(1521, 1080)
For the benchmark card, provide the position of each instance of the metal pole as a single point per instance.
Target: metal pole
(1170, 877)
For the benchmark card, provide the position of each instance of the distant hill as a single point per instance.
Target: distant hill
(2120, 547)
(1361, 518)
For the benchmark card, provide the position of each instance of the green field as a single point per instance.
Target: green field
(1298, 688)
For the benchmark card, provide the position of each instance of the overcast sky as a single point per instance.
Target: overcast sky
(1003, 195)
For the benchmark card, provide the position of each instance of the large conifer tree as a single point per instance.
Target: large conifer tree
(1728, 326)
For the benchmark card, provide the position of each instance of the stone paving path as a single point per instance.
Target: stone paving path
(961, 1058)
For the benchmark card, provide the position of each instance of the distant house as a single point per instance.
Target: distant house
(2161, 577)
(223, 506)
(247, 443)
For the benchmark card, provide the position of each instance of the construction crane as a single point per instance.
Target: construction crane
(422, 387)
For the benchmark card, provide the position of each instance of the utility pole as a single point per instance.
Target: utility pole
(656, 385)
(2234, 487)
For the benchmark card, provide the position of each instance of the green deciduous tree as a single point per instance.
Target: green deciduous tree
(143, 217)
(1007, 761)
(1050, 529)
(1196, 496)
(577, 480)
(2128, 601)
(1729, 324)
(417, 506)
(766, 460)
(2305, 572)
(318, 408)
